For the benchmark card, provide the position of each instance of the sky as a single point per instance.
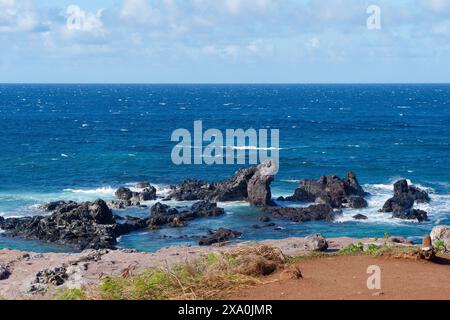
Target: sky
(224, 41)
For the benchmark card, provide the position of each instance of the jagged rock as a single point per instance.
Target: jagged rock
(300, 195)
(258, 189)
(219, 236)
(316, 242)
(357, 202)
(411, 214)
(100, 212)
(4, 272)
(124, 194)
(331, 190)
(60, 206)
(402, 203)
(128, 198)
(161, 214)
(360, 217)
(311, 213)
(236, 188)
(86, 225)
(148, 194)
(206, 209)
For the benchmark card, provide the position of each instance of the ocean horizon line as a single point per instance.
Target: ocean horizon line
(226, 83)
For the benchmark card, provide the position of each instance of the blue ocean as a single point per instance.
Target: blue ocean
(81, 142)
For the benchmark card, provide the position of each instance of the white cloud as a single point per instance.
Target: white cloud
(139, 11)
(256, 47)
(439, 6)
(17, 16)
(236, 7)
(313, 43)
(78, 19)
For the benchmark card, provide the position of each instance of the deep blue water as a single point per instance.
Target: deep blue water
(80, 142)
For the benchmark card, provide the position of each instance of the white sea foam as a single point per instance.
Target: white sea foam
(438, 208)
(291, 181)
(97, 191)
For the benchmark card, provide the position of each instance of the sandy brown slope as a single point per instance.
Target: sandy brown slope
(345, 277)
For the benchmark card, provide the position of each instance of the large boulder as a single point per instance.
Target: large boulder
(124, 194)
(4, 272)
(127, 198)
(411, 214)
(316, 242)
(206, 209)
(311, 213)
(331, 190)
(357, 202)
(402, 203)
(441, 233)
(148, 194)
(100, 212)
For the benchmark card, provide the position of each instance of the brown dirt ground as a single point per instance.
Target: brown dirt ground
(345, 278)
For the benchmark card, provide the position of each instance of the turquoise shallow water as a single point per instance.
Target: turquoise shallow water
(80, 142)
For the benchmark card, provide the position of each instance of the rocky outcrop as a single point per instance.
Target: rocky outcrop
(161, 214)
(85, 225)
(411, 214)
(311, 213)
(127, 198)
(316, 242)
(93, 226)
(252, 184)
(219, 236)
(61, 206)
(331, 190)
(258, 189)
(124, 194)
(402, 203)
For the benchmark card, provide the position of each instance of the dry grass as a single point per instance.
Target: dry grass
(215, 276)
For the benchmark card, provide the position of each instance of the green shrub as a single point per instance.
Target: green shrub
(69, 294)
(440, 246)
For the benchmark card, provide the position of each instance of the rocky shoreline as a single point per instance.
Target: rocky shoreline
(92, 225)
(28, 275)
